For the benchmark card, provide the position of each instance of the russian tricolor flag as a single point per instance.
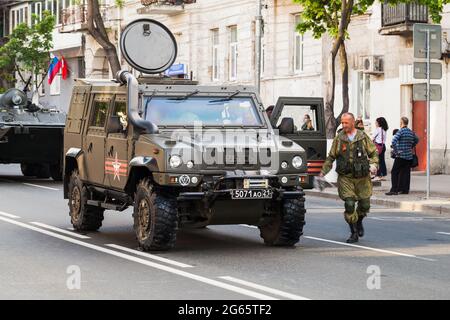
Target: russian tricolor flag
(53, 69)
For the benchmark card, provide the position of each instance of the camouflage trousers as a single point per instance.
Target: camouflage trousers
(352, 191)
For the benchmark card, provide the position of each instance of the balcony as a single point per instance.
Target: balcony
(399, 19)
(74, 18)
(165, 7)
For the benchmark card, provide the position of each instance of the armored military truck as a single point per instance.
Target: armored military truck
(182, 155)
(31, 135)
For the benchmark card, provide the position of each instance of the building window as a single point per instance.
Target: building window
(298, 46)
(363, 95)
(17, 16)
(41, 89)
(233, 53)
(215, 54)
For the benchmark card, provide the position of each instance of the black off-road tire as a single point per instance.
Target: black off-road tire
(155, 218)
(286, 228)
(27, 169)
(83, 216)
(56, 172)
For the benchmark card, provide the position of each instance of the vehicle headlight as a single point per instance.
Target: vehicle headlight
(16, 99)
(297, 162)
(284, 165)
(175, 161)
(190, 164)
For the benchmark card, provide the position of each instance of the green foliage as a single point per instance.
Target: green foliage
(324, 16)
(28, 47)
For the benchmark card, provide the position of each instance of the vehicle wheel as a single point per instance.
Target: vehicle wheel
(27, 169)
(83, 217)
(155, 218)
(56, 172)
(41, 171)
(285, 228)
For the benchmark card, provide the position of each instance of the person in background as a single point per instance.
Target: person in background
(403, 143)
(307, 123)
(269, 111)
(379, 138)
(359, 123)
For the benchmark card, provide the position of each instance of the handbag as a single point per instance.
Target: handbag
(379, 146)
(415, 159)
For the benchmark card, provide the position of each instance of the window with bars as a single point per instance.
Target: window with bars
(298, 46)
(233, 53)
(215, 54)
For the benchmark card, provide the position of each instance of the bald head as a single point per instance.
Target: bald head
(348, 122)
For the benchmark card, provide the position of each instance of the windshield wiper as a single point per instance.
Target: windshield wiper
(231, 96)
(186, 96)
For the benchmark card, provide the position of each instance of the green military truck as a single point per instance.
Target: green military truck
(182, 155)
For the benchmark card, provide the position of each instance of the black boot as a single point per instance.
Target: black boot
(360, 226)
(354, 236)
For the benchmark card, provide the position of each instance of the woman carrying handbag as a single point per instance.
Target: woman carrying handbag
(379, 138)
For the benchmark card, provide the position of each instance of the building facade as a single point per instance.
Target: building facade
(216, 45)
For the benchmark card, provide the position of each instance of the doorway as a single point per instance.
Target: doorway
(419, 126)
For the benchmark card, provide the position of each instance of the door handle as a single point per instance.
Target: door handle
(90, 147)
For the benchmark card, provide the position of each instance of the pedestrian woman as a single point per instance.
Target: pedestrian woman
(379, 138)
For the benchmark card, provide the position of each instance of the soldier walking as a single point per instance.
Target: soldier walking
(356, 157)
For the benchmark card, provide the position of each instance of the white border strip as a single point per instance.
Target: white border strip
(73, 234)
(38, 186)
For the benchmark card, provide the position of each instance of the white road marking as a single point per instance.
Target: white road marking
(185, 274)
(369, 248)
(39, 186)
(446, 233)
(264, 288)
(9, 215)
(150, 256)
(249, 226)
(46, 226)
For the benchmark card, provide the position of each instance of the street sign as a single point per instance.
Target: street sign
(420, 92)
(420, 70)
(420, 40)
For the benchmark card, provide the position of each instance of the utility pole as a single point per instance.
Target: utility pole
(258, 45)
(428, 112)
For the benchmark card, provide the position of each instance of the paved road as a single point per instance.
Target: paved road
(410, 250)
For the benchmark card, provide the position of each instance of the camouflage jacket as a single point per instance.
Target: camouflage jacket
(340, 145)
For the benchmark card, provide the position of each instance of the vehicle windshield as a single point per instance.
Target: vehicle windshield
(207, 111)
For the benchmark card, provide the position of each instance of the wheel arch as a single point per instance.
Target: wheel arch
(140, 167)
(71, 160)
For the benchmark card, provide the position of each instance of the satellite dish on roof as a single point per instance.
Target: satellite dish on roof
(148, 46)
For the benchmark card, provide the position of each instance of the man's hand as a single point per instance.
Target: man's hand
(373, 169)
(321, 175)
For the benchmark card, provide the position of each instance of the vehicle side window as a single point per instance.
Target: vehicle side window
(100, 110)
(304, 116)
(120, 113)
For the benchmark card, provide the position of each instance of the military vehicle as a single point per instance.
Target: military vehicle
(183, 155)
(31, 136)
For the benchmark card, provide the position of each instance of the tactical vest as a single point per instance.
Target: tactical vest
(359, 167)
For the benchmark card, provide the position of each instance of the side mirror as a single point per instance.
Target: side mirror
(286, 126)
(114, 125)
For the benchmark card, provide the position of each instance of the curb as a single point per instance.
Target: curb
(405, 205)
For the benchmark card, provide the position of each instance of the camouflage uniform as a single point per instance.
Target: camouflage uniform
(353, 161)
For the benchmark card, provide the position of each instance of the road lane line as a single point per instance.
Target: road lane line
(446, 233)
(38, 186)
(150, 256)
(73, 234)
(369, 248)
(264, 288)
(181, 273)
(9, 215)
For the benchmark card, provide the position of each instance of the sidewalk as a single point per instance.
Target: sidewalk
(439, 201)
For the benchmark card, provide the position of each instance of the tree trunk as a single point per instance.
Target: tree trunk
(344, 69)
(330, 121)
(96, 28)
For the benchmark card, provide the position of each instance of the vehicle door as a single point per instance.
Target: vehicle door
(116, 151)
(94, 142)
(309, 127)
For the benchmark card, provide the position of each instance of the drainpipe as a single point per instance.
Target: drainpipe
(125, 77)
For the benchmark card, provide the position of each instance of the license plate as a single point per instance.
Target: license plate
(251, 194)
